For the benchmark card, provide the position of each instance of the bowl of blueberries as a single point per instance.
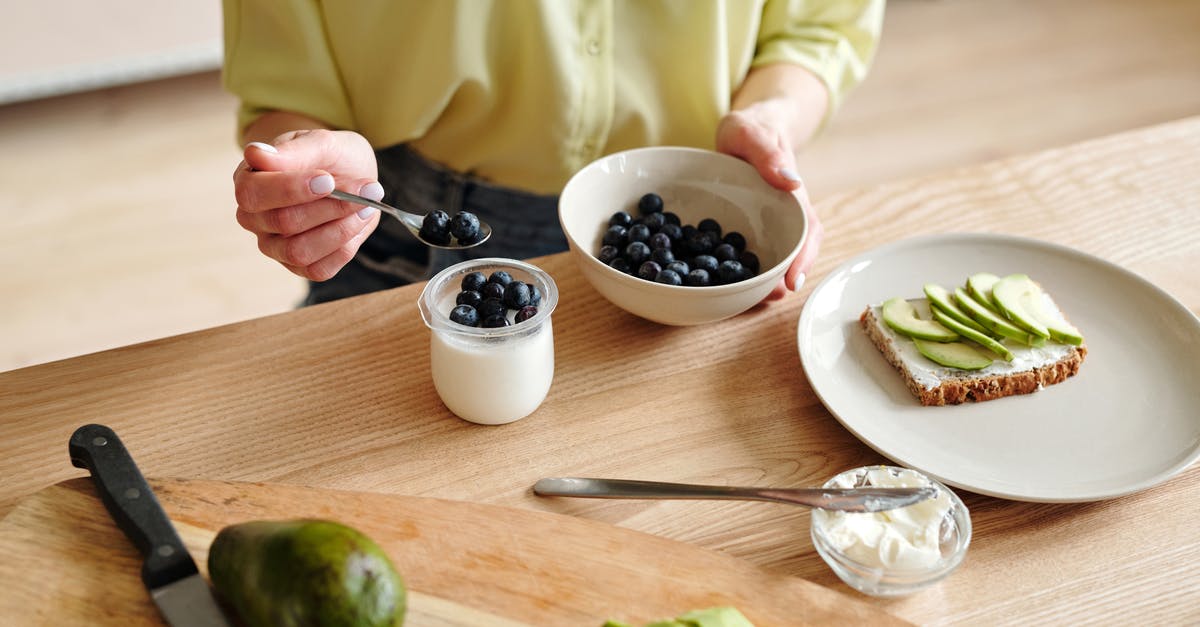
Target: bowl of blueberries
(680, 236)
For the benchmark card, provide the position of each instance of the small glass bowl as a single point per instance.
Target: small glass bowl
(876, 579)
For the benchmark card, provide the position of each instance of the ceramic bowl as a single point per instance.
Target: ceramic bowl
(694, 184)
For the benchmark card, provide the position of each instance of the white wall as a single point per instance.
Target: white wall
(50, 47)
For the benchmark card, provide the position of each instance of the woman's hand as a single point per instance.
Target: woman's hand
(282, 190)
(778, 108)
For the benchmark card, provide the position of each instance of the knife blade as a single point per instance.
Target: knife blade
(168, 571)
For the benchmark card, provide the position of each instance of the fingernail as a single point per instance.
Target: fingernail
(799, 282)
(789, 174)
(372, 190)
(321, 184)
(263, 147)
(366, 212)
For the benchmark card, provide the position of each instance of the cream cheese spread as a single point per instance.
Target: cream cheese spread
(930, 374)
(908, 538)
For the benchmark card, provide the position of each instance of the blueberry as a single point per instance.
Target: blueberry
(491, 307)
(492, 322)
(735, 239)
(678, 267)
(669, 277)
(492, 290)
(687, 231)
(614, 236)
(650, 203)
(465, 314)
(698, 243)
(473, 282)
(749, 261)
(620, 264)
(607, 253)
(516, 295)
(660, 240)
(706, 262)
(469, 297)
(535, 295)
(464, 226)
(638, 233)
(654, 221)
(637, 252)
(671, 218)
(708, 225)
(730, 271)
(649, 270)
(697, 278)
(673, 231)
(526, 313)
(501, 277)
(662, 256)
(725, 252)
(435, 227)
(620, 218)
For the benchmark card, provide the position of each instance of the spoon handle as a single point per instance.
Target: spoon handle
(392, 211)
(847, 500)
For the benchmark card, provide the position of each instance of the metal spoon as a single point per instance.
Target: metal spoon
(411, 221)
(846, 500)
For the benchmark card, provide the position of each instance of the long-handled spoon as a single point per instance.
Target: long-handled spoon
(847, 500)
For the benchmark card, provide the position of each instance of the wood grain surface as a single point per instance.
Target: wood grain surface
(338, 396)
(463, 563)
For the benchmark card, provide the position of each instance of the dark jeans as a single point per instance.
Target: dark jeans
(523, 225)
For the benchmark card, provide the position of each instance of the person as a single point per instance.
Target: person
(489, 106)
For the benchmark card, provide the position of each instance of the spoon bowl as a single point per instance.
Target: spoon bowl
(412, 221)
(854, 500)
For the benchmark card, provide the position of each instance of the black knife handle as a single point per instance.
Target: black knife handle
(132, 504)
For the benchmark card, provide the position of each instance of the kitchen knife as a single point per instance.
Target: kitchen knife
(170, 574)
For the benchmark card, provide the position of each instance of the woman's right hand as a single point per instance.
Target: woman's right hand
(282, 190)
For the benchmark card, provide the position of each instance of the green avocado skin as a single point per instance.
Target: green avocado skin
(305, 572)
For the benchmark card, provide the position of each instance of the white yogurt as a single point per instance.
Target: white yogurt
(905, 538)
(493, 380)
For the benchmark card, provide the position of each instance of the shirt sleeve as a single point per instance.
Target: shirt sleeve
(277, 57)
(833, 39)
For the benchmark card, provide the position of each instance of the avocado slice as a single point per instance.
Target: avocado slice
(994, 322)
(1022, 301)
(973, 335)
(305, 572)
(901, 316)
(953, 354)
(979, 285)
(940, 298)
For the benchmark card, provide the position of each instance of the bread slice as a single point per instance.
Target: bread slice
(934, 384)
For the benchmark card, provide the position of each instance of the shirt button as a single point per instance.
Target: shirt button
(593, 47)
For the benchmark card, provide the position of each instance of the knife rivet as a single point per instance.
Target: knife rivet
(166, 550)
(132, 493)
(99, 440)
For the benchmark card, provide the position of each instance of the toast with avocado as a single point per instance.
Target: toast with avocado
(993, 337)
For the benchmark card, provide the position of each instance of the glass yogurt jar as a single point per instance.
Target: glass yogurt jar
(494, 375)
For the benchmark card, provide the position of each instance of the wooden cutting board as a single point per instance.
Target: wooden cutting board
(64, 562)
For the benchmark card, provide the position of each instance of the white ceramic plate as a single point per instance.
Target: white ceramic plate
(1129, 420)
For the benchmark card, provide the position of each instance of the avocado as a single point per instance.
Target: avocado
(305, 572)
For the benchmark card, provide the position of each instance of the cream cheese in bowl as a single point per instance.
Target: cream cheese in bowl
(898, 551)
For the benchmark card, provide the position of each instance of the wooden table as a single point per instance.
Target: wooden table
(339, 396)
